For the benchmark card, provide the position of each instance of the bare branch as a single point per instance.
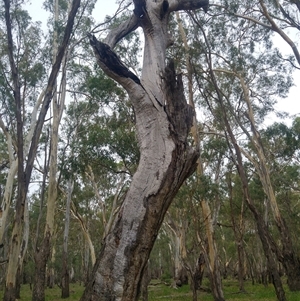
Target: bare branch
(119, 10)
(277, 29)
(123, 30)
(292, 21)
(175, 5)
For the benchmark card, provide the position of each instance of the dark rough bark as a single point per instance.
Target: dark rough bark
(18, 284)
(288, 257)
(41, 257)
(216, 283)
(145, 282)
(65, 279)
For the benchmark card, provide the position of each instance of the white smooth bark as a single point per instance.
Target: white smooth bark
(85, 231)
(13, 165)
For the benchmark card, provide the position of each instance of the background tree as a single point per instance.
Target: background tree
(24, 172)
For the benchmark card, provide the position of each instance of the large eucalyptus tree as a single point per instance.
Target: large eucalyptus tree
(163, 121)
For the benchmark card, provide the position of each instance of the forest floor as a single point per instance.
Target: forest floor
(257, 292)
(163, 292)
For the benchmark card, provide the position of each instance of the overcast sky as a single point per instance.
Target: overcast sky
(102, 8)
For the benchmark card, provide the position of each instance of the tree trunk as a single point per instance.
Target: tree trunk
(65, 279)
(40, 259)
(58, 107)
(24, 174)
(23, 251)
(145, 282)
(51, 270)
(87, 237)
(289, 257)
(163, 121)
(13, 167)
(269, 247)
(267, 242)
(213, 263)
(238, 230)
(196, 275)
(177, 230)
(164, 165)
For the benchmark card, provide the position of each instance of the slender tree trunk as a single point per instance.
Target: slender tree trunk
(289, 257)
(23, 251)
(86, 234)
(269, 247)
(51, 270)
(194, 288)
(58, 106)
(213, 264)
(267, 242)
(16, 238)
(24, 174)
(212, 258)
(238, 230)
(65, 279)
(40, 259)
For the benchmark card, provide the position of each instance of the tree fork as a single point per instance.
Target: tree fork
(163, 122)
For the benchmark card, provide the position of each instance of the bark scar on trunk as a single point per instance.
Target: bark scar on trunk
(179, 112)
(111, 60)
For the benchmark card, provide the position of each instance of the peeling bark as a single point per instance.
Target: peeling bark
(163, 121)
(85, 231)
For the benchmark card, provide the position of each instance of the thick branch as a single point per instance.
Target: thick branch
(121, 31)
(112, 65)
(175, 5)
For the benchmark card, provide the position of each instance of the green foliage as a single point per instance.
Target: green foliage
(99, 133)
